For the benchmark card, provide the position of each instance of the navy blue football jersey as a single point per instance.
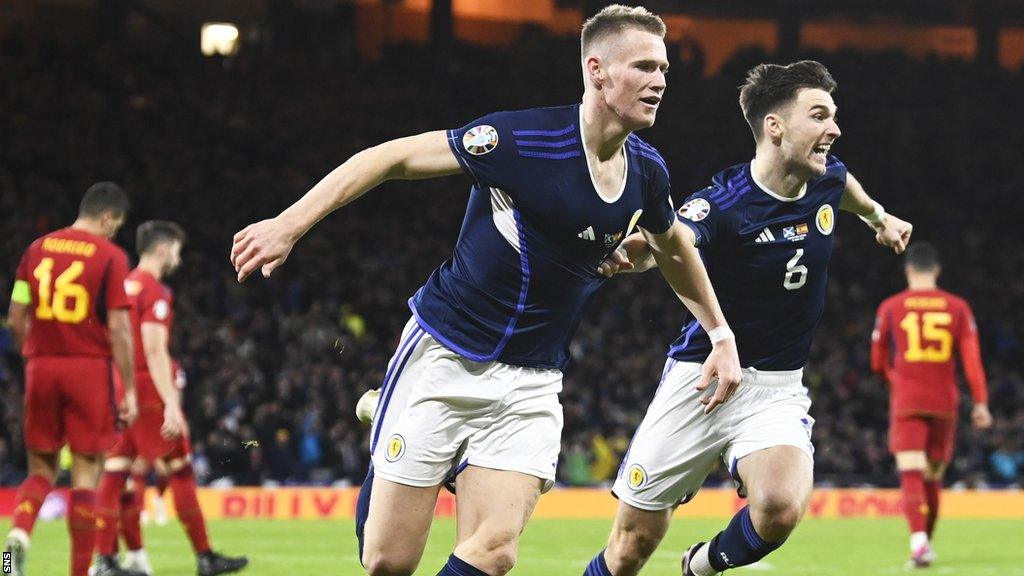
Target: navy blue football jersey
(767, 257)
(535, 230)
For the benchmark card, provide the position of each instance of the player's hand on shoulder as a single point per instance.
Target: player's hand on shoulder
(264, 245)
(894, 233)
(721, 368)
(981, 417)
(616, 262)
(128, 410)
(175, 425)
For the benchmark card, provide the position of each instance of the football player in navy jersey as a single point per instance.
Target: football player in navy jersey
(471, 392)
(765, 232)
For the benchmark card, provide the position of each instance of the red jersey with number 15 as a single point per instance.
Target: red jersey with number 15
(912, 346)
(152, 301)
(74, 278)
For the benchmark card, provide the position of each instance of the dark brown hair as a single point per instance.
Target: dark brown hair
(922, 256)
(770, 87)
(103, 197)
(154, 232)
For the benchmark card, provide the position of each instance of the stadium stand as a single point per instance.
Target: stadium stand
(215, 143)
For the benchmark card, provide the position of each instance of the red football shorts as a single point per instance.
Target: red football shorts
(935, 436)
(69, 400)
(143, 438)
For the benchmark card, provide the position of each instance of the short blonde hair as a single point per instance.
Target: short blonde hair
(616, 18)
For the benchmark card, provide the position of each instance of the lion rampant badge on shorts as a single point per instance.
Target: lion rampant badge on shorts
(395, 448)
(636, 477)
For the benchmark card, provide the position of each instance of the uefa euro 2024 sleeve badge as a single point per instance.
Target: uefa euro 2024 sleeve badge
(695, 210)
(480, 140)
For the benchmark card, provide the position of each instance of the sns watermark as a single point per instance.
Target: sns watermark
(7, 562)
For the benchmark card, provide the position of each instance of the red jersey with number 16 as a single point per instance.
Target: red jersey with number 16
(74, 278)
(912, 347)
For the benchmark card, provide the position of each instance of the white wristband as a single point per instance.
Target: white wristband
(723, 332)
(876, 217)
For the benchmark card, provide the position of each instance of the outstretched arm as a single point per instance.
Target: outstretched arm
(680, 264)
(889, 230)
(265, 245)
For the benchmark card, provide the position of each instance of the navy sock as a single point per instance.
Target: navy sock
(597, 566)
(363, 508)
(739, 544)
(459, 567)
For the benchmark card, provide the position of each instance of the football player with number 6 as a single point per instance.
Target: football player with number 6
(765, 231)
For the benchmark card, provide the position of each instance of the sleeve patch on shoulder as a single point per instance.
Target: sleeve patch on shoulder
(695, 210)
(161, 309)
(480, 140)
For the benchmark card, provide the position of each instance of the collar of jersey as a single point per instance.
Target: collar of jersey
(768, 191)
(586, 160)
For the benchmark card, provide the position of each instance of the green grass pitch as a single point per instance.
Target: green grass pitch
(563, 547)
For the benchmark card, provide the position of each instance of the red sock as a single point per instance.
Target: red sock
(915, 507)
(183, 487)
(131, 512)
(82, 526)
(108, 511)
(932, 492)
(27, 502)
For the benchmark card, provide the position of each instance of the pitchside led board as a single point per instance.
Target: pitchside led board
(328, 503)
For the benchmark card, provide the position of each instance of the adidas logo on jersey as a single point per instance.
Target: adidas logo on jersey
(587, 234)
(765, 236)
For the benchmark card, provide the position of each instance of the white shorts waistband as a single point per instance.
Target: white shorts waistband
(755, 377)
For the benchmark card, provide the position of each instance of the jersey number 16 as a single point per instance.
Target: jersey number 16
(61, 299)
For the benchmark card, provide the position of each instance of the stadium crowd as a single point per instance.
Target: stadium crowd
(275, 366)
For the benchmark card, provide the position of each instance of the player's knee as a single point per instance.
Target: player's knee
(116, 464)
(175, 464)
(503, 559)
(630, 547)
(776, 515)
(380, 563)
(497, 550)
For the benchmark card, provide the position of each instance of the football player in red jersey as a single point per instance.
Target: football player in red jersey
(912, 348)
(161, 432)
(69, 313)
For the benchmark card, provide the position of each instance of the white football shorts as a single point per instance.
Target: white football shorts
(676, 445)
(439, 412)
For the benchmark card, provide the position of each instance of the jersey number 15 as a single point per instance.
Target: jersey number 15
(928, 328)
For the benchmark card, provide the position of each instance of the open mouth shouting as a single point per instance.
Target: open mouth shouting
(820, 152)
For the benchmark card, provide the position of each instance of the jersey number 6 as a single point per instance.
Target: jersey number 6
(796, 274)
